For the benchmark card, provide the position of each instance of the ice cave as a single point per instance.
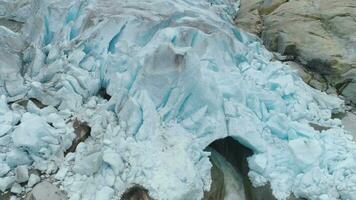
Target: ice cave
(141, 99)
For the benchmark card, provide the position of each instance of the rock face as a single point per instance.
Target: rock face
(311, 78)
(318, 34)
(248, 16)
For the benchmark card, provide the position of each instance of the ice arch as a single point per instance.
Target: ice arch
(177, 76)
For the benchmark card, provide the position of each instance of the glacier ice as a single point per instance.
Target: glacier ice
(21, 173)
(178, 75)
(33, 180)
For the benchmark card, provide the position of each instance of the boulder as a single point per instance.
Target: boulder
(82, 132)
(313, 79)
(137, 192)
(248, 17)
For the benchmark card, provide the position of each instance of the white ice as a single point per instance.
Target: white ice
(180, 76)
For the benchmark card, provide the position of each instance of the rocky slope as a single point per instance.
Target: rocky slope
(321, 35)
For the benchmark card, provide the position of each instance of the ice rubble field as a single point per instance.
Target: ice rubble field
(180, 75)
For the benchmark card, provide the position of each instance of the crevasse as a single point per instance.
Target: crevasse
(180, 75)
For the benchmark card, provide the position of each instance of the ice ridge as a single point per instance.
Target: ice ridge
(178, 75)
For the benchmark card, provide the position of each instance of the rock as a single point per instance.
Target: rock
(21, 173)
(350, 91)
(268, 6)
(248, 16)
(45, 191)
(301, 71)
(319, 34)
(12, 25)
(136, 192)
(82, 132)
(292, 197)
(349, 122)
(313, 79)
(5, 196)
(319, 128)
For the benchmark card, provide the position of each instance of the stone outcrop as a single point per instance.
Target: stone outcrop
(321, 35)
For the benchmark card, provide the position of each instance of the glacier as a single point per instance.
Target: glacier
(177, 75)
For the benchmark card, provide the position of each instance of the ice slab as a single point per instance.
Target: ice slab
(21, 173)
(46, 191)
(33, 180)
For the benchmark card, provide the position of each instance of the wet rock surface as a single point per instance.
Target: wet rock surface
(321, 35)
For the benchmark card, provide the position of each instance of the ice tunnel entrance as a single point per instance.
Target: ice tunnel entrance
(230, 173)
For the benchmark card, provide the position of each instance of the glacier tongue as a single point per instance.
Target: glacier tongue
(178, 75)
